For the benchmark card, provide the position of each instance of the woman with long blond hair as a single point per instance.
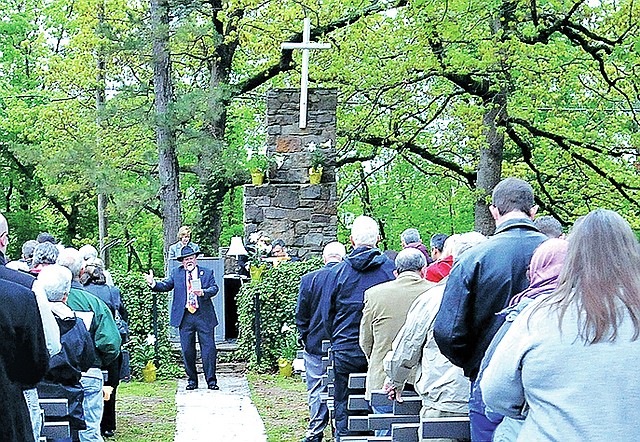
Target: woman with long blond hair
(572, 356)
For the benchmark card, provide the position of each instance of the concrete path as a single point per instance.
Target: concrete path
(224, 415)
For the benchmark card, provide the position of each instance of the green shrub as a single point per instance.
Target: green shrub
(277, 292)
(138, 299)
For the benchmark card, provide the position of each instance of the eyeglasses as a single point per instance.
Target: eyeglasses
(5, 234)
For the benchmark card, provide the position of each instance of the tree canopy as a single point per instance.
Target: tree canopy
(437, 101)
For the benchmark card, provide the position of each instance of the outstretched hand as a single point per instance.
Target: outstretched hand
(149, 278)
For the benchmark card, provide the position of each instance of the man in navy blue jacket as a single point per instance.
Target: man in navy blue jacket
(481, 283)
(313, 332)
(343, 298)
(192, 312)
(23, 358)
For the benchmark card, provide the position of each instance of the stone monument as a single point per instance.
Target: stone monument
(288, 207)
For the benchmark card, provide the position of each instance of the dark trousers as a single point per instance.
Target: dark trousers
(108, 422)
(346, 362)
(190, 326)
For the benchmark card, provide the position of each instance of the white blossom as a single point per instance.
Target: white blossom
(151, 339)
(285, 328)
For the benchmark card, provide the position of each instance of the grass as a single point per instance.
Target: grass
(282, 404)
(146, 412)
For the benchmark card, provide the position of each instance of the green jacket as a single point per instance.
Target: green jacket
(103, 327)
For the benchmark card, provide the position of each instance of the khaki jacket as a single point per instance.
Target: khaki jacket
(385, 310)
(441, 384)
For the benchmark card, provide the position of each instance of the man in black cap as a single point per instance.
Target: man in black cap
(192, 312)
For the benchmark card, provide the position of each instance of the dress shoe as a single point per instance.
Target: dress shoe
(214, 387)
(314, 438)
(107, 433)
(191, 386)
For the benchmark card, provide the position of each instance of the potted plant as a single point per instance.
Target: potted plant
(288, 351)
(259, 246)
(258, 164)
(149, 371)
(317, 163)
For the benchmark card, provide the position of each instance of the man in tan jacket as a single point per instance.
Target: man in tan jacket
(385, 310)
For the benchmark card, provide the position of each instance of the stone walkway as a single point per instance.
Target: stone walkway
(224, 415)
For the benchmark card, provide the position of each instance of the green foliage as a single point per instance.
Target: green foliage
(259, 163)
(415, 80)
(138, 300)
(277, 293)
(398, 196)
(317, 158)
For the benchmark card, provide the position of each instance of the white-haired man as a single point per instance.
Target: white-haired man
(443, 387)
(313, 332)
(106, 337)
(385, 309)
(342, 303)
(78, 351)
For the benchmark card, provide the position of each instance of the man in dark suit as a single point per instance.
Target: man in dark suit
(192, 312)
(313, 332)
(23, 358)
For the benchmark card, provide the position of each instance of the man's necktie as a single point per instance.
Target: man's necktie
(192, 299)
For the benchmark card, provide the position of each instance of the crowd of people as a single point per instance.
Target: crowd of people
(523, 331)
(58, 310)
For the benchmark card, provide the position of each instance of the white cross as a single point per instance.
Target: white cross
(304, 76)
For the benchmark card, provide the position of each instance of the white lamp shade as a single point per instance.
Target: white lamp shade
(236, 247)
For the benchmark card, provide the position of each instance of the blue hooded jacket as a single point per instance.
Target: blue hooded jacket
(343, 294)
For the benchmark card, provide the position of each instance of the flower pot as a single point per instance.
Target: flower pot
(256, 272)
(257, 178)
(149, 372)
(315, 175)
(285, 367)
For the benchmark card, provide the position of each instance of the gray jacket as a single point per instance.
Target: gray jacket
(441, 384)
(574, 391)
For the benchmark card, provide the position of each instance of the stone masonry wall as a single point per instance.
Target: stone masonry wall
(287, 206)
(286, 139)
(303, 215)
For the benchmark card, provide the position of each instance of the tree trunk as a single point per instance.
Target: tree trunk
(490, 163)
(102, 228)
(100, 105)
(215, 182)
(169, 192)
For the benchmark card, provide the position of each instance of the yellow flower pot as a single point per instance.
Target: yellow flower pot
(315, 175)
(149, 372)
(285, 367)
(257, 178)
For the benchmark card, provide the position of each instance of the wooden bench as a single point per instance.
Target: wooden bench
(446, 427)
(328, 382)
(56, 419)
(405, 423)
(357, 381)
